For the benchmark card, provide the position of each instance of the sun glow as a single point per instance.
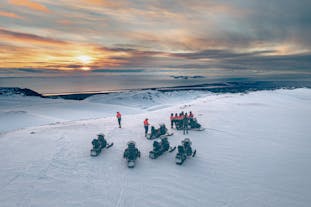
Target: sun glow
(84, 59)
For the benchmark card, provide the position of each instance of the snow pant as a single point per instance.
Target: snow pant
(146, 130)
(185, 128)
(119, 122)
(172, 124)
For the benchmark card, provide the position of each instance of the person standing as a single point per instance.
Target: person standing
(191, 115)
(172, 120)
(191, 120)
(176, 120)
(146, 126)
(185, 123)
(119, 118)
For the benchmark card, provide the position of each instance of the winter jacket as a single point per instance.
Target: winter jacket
(118, 115)
(146, 123)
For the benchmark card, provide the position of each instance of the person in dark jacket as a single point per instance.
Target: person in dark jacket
(172, 118)
(185, 123)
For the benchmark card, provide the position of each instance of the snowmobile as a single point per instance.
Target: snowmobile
(179, 124)
(160, 147)
(131, 153)
(159, 133)
(193, 125)
(184, 151)
(99, 144)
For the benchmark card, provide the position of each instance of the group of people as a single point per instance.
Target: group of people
(181, 121)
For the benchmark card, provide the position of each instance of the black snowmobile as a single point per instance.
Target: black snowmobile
(192, 125)
(99, 144)
(160, 147)
(159, 133)
(184, 151)
(131, 153)
(179, 124)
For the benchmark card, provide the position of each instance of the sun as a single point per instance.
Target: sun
(84, 59)
(85, 68)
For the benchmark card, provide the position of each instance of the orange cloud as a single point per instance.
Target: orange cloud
(28, 38)
(30, 5)
(10, 15)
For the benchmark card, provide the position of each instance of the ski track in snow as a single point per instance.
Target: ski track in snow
(255, 151)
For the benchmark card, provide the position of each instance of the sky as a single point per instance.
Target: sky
(84, 35)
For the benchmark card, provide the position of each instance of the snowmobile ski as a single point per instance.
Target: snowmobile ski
(149, 137)
(198, 129)
(162, 136)
(172, 149)
(109, 145)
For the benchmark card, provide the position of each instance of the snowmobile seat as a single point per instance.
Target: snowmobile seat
(156, 146)
(163, 129)
(133, 154)
(95, 143)
(102, 142)
(165, 144)
(181, 149)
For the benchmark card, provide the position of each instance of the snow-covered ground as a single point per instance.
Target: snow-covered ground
(255, 151)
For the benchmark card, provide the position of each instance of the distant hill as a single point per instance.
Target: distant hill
(18, 91)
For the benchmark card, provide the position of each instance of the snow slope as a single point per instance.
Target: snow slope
(23, 111)
(255, 152)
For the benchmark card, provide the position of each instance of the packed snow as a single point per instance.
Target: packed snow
(255, 150)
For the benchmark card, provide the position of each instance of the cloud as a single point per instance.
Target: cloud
(139, 34)
(259, 60)
(31, 38)
(30, 4)
(10, 15)
(220, 54)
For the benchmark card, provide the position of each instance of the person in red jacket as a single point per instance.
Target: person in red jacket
(119, 118)
(190, 115)
(146, 126)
